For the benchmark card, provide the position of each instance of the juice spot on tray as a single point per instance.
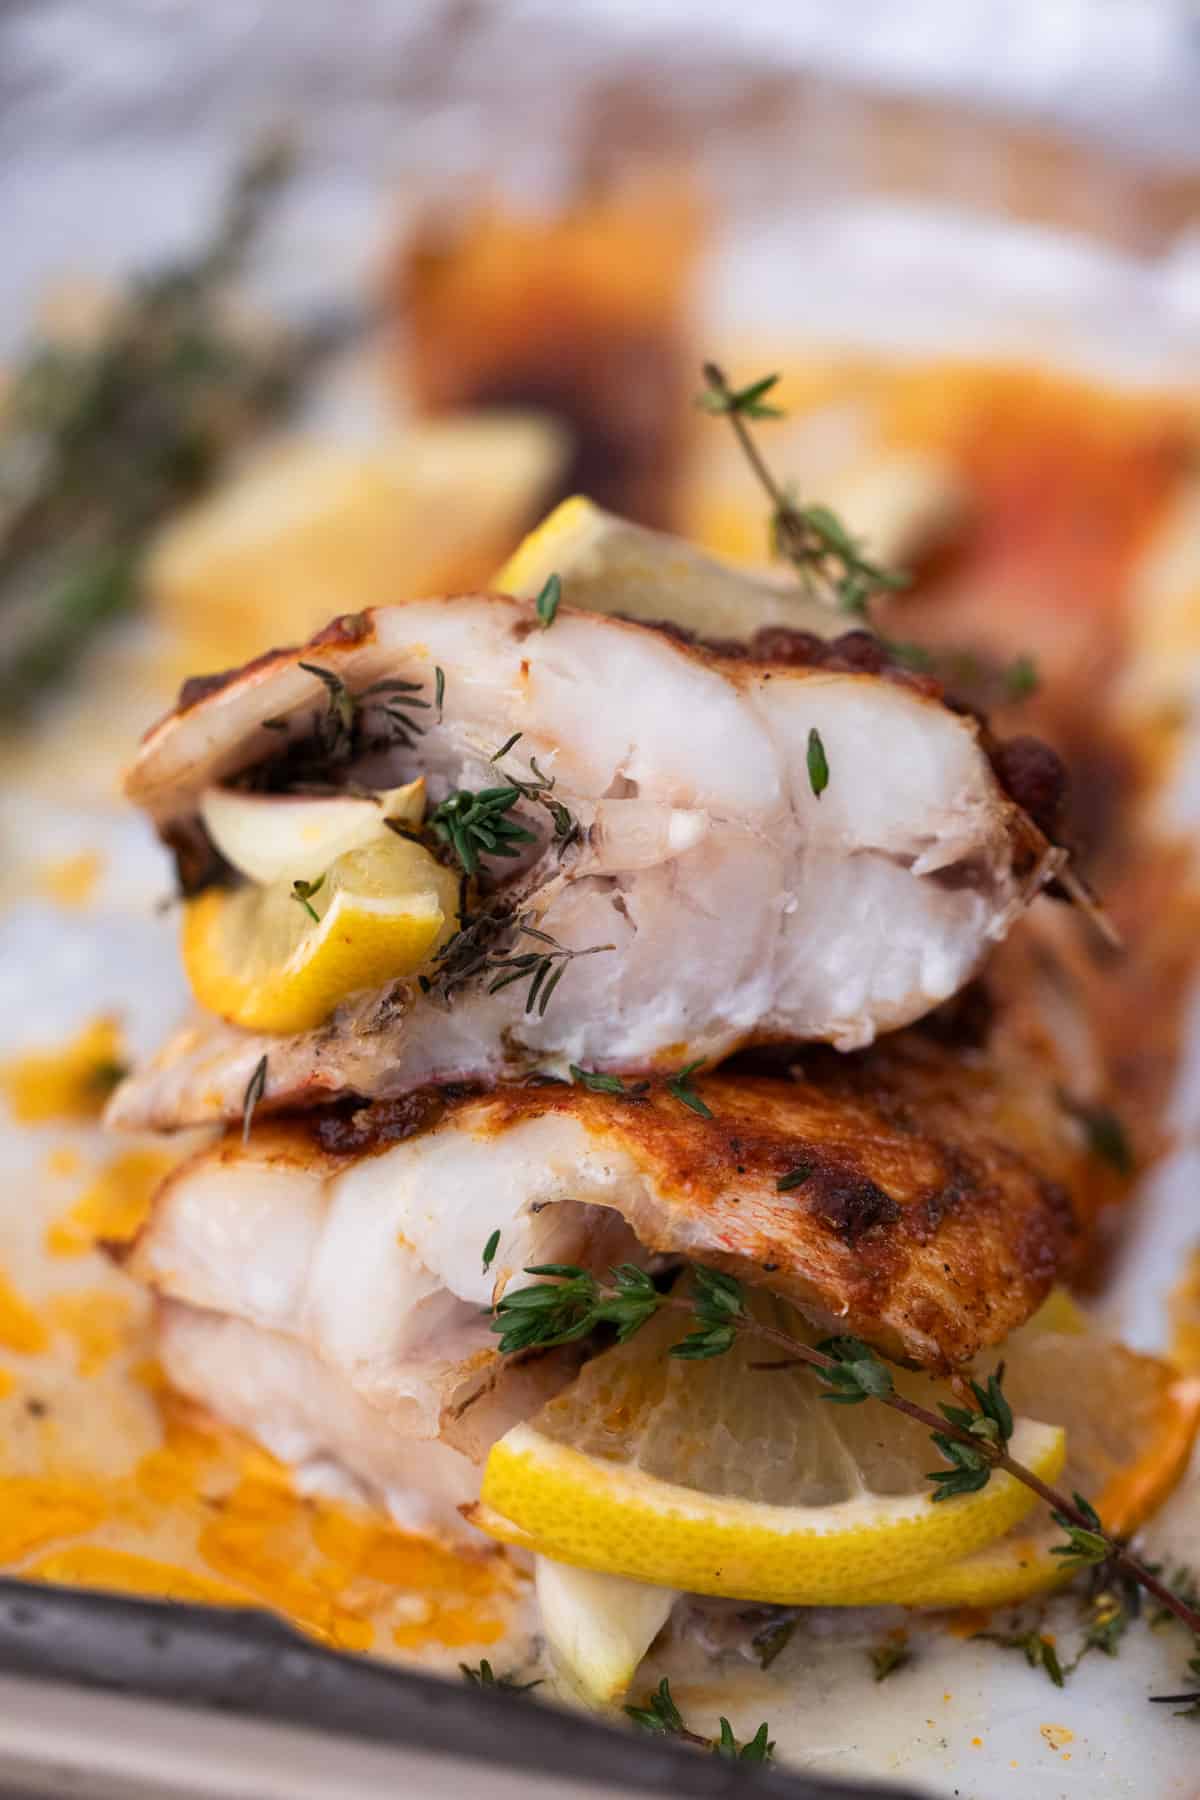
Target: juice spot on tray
(72, 1082)
(114, 1208)
(97, 1319)
(20, 1327)
(71, 880)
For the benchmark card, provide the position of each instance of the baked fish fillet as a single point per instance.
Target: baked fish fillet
(774, 851)
(925, 1206)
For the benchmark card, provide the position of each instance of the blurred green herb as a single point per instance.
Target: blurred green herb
(482, 1674)
(100, 440)
(662, 1717)
(889, 1656)
(829, 560)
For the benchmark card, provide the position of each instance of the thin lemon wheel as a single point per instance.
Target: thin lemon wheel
(714, 1477)
(1130, 1422)
(255, 955)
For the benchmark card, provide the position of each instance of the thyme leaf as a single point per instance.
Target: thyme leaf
(547, 601)
(255, 1088)
(889, 1656)
(483, 1675)
(598, 1083)
(1039, 1651)
(479, 824)
(818, 764)
(302, 893)
(680, 1086)
(660, 1716)
(794, 1178)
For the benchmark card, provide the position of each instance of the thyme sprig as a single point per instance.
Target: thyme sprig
(302, 894)
(661, 1716)
(832, 566)
(479, 824)
(352, 725)
(1039, 1651)
(540, 791)
(570, 1302)
(483, 1675)
(101, 440)
(482, 823)
(828, 559)
(543, 970)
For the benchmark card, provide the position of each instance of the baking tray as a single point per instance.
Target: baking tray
(104, 1694)
(231, 1664)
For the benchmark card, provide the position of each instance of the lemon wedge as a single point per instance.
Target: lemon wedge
(715, 1477)
(256, 956)
(598, 1627)
(1130, 1422)
(607, 565)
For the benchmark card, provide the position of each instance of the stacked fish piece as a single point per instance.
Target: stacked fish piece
(482, 893)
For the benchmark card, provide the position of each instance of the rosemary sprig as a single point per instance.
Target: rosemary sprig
(255, 1088)
(571, 1302)
(661, 1716)
(829, 560)
(439, 690)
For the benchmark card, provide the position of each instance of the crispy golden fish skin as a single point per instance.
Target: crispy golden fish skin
(921, 1204)
(739, 891)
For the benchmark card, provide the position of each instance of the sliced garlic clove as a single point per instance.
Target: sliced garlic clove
(637, 834)
(296, 837)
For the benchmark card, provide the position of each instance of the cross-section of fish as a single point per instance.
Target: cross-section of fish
(923, 1206)
(748, 851)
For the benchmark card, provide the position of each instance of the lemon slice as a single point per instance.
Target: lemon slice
(255, 956)
(309, 528)
(715, 1477)
(1130, 1422)
(607, 565)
